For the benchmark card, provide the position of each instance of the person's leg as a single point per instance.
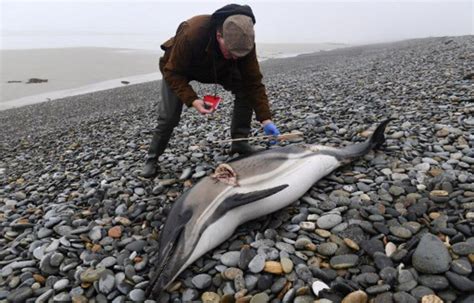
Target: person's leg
(240, 125)
(241, 117)
(169, 113)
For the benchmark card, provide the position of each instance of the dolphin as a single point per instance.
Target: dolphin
(239, 191)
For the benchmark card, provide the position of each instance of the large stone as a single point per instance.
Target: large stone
(431, 256)
(329, 221)
(356, 297)
(344, 261)
(231, 258)
(202, 281)
(257, 264)
(462, 283)
(20, 295)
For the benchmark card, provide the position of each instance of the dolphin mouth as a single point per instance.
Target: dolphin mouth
(163, 275)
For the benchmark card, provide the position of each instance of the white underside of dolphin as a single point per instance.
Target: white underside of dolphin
(300, 174)
(240, 191)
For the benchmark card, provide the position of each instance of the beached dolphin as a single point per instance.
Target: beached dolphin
(208, 213)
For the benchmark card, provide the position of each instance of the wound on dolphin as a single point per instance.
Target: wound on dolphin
(239, 191)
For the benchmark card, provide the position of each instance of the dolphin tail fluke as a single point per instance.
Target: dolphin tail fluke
(374, 142)
(378, 137)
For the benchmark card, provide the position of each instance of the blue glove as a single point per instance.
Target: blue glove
(270, 129)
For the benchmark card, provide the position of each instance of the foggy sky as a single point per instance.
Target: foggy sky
(277, 21)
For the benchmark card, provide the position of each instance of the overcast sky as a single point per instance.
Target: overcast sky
(277, 21)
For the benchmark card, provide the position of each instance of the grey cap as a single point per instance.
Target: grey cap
(239, 35)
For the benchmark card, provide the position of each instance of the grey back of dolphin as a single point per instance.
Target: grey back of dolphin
(207, 214)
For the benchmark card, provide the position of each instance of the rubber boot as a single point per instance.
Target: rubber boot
(241, 148)
(157, 147)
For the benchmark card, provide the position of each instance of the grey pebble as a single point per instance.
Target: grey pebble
(257, 264)
(329, 221)
(137, 295)
(231, 258)
(202, 281)
(462, 267)
(431, 255)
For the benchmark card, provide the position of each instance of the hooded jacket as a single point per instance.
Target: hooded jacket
(193, 54)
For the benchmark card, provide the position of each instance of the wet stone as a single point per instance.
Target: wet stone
(106, 282)
(421, 291)
(20, 295)
(285, 247)
(377, 289)
(302, 243)
(431, 256)
(202, 281)
(231, 258)
(232, 272)
(190, 295)
(137, 246)
(260, 298)
(396, 190)
(303, 272)
(107, 262)
(137, 295)
(329, 221)
(44, 232)
(95, 233)
(382, 261)
(406, 281)
(61, 284)
(463, 248)
(461, 266)
(278, 285)
(56, 259)
(210, 297)
(304, 299)
(251, 281)
(344, 261)
(401, 232)
(371, 246)
(246, 255)
(90, 275)
(264, 282)
(461, 283)
(62, 297)
(257, 264)
(286, 264)
(388, 274)
(403, 297)
(327, 249)
(434, 282)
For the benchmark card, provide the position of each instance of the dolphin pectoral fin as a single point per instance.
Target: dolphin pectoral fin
(171, 237)
(237, 200)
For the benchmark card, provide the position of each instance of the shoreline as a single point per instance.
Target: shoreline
(86, 89)
(69, 69)
(80, 70)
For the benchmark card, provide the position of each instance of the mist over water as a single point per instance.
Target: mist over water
(144, 25)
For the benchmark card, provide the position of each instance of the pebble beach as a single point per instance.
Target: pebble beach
(78, 223)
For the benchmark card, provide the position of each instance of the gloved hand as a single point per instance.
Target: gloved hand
(270, 129)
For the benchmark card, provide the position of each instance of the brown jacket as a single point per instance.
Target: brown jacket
(192, 54)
